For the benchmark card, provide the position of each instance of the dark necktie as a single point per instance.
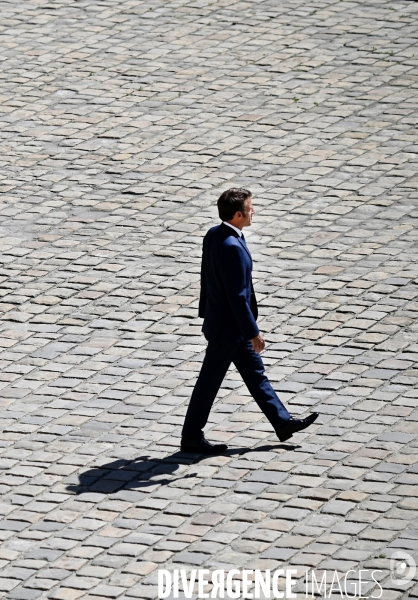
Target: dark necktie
(245, 244)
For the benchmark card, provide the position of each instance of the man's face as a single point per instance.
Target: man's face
(249, 212)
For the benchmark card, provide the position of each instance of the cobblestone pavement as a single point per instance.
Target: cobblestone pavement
(122, 121)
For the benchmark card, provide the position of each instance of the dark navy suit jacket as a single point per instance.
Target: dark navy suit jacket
(227, 300)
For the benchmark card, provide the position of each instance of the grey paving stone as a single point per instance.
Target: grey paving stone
(24, 594)
(280, 554)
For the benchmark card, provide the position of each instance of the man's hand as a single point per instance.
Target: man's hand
(258, 343)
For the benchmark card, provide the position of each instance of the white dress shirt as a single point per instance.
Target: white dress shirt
(234, 228)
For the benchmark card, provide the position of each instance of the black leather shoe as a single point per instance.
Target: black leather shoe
(202, 446)
(294, 425)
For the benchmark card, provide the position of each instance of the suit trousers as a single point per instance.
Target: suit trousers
(249, 364)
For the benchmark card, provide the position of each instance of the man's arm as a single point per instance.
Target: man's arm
(234, 277)
(258, 343)
(202, 298)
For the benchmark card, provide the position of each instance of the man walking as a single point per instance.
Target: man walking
(229, 309)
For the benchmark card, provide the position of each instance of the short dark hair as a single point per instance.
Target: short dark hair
(232, 201)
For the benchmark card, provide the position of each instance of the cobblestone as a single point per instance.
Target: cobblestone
(121, 123)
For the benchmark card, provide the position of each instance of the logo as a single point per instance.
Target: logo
(402, 567)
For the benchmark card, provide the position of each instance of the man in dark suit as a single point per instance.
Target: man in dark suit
(229, 309)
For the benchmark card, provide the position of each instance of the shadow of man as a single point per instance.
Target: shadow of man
(145, 471)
